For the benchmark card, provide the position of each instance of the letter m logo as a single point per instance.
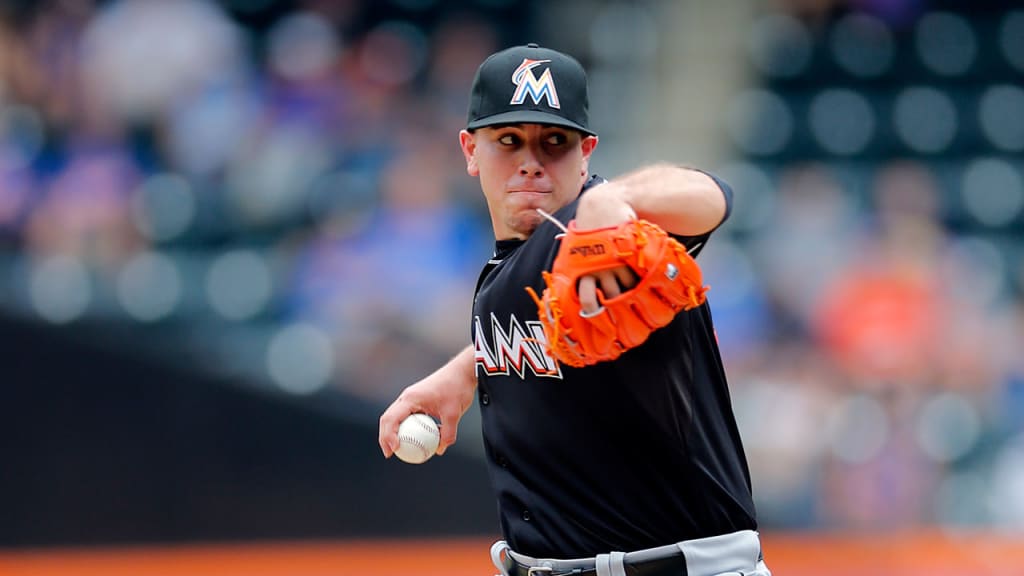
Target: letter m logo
(527, 84)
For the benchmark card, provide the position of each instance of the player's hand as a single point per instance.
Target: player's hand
(446, 395)
(610, 283)
(603, 206)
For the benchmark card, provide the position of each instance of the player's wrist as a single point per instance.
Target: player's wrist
(603, 206)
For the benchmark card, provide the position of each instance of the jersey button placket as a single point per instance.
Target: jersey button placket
(527, 516)
(485, 398)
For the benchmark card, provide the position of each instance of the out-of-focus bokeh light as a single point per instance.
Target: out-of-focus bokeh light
(239, 284)
(164, 207)
(779, 45)
(299, 358)
(862, 45)
(925, 119)
(842, 121)
(759, 122)
(999, 113)
(149, 286)
(993, 192)
(60, 288)
(946, 43)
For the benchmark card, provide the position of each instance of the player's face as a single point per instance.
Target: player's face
(523, 167)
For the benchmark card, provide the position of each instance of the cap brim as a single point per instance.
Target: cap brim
(527, 117)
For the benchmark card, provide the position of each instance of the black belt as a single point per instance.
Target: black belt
(640, 563)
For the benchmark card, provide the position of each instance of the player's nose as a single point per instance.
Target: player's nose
(530, 165)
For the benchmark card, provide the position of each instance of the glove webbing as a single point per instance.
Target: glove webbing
(559, 338)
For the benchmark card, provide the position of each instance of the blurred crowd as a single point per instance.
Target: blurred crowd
(293, 168)
(868, 291)
(159, 159)
(875, 358)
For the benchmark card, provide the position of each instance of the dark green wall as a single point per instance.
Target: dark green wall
(98, 447)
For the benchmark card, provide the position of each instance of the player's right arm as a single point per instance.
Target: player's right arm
(446, 394)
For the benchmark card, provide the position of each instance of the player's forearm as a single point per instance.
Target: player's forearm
(462, 367)
(457, 377)
(680, 200)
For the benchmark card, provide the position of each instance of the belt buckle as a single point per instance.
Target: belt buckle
(539, 570)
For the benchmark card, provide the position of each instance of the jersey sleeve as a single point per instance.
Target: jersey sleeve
(727, 192)
(696, 243)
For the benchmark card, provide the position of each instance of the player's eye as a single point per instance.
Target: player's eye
(508, 140)
(556, 139)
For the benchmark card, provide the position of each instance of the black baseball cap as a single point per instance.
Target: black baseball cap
(529, 84)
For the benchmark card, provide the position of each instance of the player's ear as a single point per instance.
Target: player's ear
(468, 144)
(588, 145)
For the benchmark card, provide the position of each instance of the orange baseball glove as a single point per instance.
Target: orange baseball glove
(669, 281)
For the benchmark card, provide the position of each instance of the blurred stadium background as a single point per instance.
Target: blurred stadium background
(231, 232)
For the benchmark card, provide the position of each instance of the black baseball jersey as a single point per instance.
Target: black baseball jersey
(639, 452)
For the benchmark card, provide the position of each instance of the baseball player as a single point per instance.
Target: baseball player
(609, 433)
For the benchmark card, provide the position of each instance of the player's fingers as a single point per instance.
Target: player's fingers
(625, 277)
(587, 291)
(609, 283)
(387, 435)
(387, 432)
(449, 428)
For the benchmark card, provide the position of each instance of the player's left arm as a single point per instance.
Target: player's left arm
(682, 201)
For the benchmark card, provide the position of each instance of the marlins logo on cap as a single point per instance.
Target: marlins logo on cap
(532, 96)
(537, 88)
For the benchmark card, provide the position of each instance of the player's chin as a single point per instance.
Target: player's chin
(524, 222)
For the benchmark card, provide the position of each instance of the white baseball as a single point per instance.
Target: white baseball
(418, 437)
